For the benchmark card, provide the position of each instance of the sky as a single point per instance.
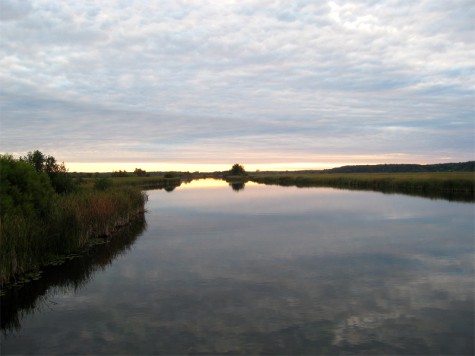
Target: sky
(201, 85)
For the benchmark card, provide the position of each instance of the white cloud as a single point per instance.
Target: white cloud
(14, 9)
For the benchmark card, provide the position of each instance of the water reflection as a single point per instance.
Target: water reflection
(237, 186)
(72, 275)
(460, 196)
(275, 271)
(168, 185)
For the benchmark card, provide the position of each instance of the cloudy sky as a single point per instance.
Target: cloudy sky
(200, 85)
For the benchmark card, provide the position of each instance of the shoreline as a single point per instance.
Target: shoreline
(74, 221)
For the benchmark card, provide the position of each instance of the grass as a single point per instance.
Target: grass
(73, 273)
(152, 181)
(433, 182)
(74, 220)
(145, 181)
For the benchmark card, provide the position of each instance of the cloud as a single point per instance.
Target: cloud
(14, 9)
(256, 78)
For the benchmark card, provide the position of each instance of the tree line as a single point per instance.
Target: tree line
(408, 168)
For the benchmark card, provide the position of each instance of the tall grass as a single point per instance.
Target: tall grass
(460, 182)
(76, 272)
(26, 243)
(144, 182)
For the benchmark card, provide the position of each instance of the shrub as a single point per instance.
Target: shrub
(61, 181)
(103, 183)
(23, 190)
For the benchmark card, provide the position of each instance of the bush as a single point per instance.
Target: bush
(23, 190)
(237, 170)
(103, 183)
(37, 224)
(61, 181)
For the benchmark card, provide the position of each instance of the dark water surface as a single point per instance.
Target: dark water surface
(265, 269)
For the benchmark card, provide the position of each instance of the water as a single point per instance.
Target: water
(264, 269)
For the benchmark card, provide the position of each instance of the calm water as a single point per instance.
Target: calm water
(265, 269)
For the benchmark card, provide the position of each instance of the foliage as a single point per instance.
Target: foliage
(37, 224)
(237, 170)
(23, 190)
(149, 181)
(57, 172)
(140, 172)
(444, 184)
(406, 168)
(103, 183)
(119, 173)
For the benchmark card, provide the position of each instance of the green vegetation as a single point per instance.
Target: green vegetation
(147, 181)
(40, 219)
(237, 170)
(140, 172)
(103, 183)
(405, 168)
(442, 182)
(57, 173)
(76, 271)
(236, 175)
(46, 212)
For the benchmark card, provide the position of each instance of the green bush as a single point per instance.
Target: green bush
(103, 183)
(61, 181)
(37, 224)
(23, 190)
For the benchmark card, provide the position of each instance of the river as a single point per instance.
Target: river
(215, 269)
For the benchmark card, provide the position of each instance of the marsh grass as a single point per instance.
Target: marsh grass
(143, 182)
(450, 182)
(72, 223)
(73, 273)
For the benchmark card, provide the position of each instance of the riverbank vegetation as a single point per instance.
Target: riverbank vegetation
(73, 273)
(460, 183)
(46, 212)
(151, 182)
(41, 221)
(236, 175)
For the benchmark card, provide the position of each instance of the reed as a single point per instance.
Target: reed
(143, 182)
(462, 182)
(146, 181)
(28, 242)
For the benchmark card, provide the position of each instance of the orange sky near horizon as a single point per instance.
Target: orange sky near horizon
(91, 167)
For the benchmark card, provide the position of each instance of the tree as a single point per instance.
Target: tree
(140, 172)
(57, 172)
(119, 173)
(23, 190)
(237, 170)
(36, 159)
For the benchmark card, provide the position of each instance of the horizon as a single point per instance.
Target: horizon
(195, 85)
(151, 167)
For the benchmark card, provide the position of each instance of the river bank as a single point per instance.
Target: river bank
(447, 185)
(74, 223)
(46, 215)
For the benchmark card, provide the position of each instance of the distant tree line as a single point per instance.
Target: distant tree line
(119, 173)
(409, 168)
